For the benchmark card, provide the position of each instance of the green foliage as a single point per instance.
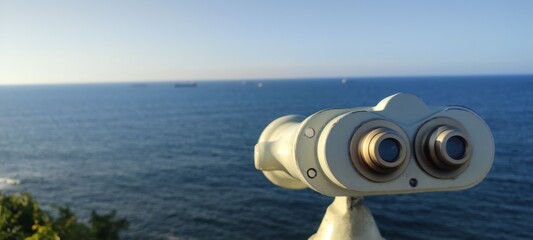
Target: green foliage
(104, 226)
(43, 232)
(22, 218)
(67, 226)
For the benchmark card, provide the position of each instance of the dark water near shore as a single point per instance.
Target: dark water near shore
(178, 162)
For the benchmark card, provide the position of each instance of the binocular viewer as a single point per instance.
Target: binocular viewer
(401, 145)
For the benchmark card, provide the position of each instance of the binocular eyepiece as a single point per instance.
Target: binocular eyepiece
(445, 148)
(378, 150)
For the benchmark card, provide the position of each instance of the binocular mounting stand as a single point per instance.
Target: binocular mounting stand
(347, 218)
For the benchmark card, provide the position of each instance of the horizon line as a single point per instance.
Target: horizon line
(257, 79)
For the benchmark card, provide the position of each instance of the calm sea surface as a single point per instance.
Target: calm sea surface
(178, 162)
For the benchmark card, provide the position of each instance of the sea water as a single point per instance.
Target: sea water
(177, 163)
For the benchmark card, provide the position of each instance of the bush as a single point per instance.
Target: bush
(22, 218)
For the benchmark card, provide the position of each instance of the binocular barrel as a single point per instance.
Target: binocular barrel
(399, 146)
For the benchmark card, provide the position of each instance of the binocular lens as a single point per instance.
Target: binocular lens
(389, 150)
(383, 150)
(380, 150)
(443, 148)
(456, 147)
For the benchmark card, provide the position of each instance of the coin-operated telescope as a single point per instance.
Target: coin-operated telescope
(399, 146)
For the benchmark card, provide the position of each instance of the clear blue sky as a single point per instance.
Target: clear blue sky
(112, 41)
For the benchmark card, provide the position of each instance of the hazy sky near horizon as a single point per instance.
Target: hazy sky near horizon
(112, 41)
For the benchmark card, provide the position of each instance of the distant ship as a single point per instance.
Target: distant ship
(259, 84)
(185, 84)
(139, 85)
(344, 80)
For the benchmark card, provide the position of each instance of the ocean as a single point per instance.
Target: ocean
(177, 163)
